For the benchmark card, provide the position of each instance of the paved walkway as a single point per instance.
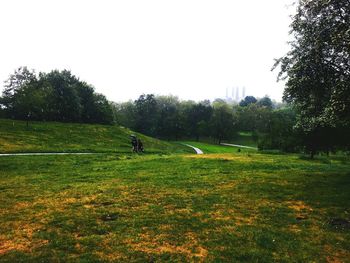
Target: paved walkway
(241, 146)
(198, 151)
(30, 154)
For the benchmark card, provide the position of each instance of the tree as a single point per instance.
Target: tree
(222, 122)
(64, 102)
(16, 81)
(125, 114)
(253, 118)
(87, 101)
(198, 118)
(279, 133)
(247, 100)
(169, 125)
(56, 96)
(317, 69)
(30, 102)
(265, 102)
(146, 114)
(102, 110)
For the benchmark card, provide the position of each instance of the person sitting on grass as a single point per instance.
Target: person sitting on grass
(134, 143)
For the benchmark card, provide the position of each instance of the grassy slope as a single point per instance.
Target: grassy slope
(68, 137)
(216, 207)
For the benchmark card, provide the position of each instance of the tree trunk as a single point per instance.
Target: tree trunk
(312, 154)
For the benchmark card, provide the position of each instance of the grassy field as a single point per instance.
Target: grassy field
(226, 207)
(71, 137)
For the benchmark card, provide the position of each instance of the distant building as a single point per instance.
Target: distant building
(235, 94)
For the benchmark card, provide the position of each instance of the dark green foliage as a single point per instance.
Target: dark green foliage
(146, 114)
(265, 102)
(198, 118)
(125, 114)
(317, 70)
(54, 96)
(64, 100)
(170, 120)
(253, 117)
(223, 122)
(247, 100)
(18, 85)
(167, 117)
(279, 132)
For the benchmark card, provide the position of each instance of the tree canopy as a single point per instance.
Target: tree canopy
(247, 100)
(54, 96)
(317, 69)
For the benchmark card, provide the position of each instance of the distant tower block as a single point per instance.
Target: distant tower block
(233, 92)
(237, 94)
(243, 92)
(226, 93)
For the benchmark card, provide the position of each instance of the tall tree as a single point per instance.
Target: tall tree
(223, 122)
(169, 117)
(247, 101)
(265, 102)
(198, 118)
(279, 133)
(317, 68)
(125, 114)
(16, 81)
(64, 103)
(146, 114)
(55, 96)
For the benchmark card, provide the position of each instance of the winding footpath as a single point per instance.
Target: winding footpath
(197, 150)
(241, 146)
(30, 154)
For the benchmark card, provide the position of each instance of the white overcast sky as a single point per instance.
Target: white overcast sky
(193, 49)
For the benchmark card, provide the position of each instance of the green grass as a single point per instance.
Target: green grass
(215, 148)
(241, 207)
(71, 137)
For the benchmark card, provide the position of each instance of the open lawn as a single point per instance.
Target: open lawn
(151, 208)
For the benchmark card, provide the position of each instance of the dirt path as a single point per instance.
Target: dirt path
(30, 154)
(198, 151)
(241, 146)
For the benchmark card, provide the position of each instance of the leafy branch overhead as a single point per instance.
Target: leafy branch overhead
(317, 68)
(317, 72)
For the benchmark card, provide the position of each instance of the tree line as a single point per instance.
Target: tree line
(53, 96)
(316, 117)
(167, 117)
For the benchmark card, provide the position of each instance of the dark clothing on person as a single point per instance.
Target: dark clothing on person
(139, 145)
(134, 144)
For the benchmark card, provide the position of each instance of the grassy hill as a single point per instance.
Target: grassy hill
(16, 137)
(222, 206)
(237, 207)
